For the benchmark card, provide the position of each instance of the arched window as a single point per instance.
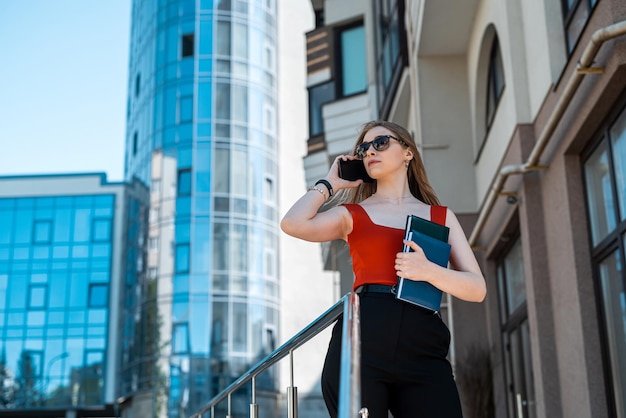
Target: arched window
(489, 88)
(495, 83)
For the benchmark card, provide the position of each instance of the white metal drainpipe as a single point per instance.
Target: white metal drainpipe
(598, 38)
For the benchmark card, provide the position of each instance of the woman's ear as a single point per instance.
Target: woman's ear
(409, 155)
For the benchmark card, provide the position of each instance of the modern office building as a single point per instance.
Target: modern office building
(202, 134)
(64, 244)
(520, 111)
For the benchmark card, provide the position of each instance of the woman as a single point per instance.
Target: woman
(404, 368)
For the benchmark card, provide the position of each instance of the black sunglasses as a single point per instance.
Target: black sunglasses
(380, 143)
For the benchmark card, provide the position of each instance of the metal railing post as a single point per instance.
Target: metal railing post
(229, 405)
(254, 408)
(350, 374)
(292, 392)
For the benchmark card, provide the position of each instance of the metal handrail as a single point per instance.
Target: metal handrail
(350, 376)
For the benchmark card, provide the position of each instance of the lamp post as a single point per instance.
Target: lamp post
(58, 357)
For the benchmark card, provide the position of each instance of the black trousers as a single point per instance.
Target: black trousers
(403, 362)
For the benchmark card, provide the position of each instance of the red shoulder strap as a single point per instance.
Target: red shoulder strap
(438, 214)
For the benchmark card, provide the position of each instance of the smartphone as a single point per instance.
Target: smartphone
(354, 170)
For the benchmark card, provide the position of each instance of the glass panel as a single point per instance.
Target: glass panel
(222, 101)
(6, 225)
(182, 258)
(180, 340)
(185, 109)
(576, 24)
(220, 246)
(204, 101)
(240, 36)
(43, 232)
(62, 225)
(4, 281)
(101, 230)
(184, 183)
(614, 310)
(37, 297)
(239, 250)
(618, 141)
(318, 96)
(240, 98)
(23, 226)
(353, 64)
(240, 172)
(222, 170)
(514, 274)
(81, 225)
(199, 335)
(223, 38)
(240, 327)
(219, 329)
(98, 295)
(599, 194)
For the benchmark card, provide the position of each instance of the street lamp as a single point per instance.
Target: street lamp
(54, 359)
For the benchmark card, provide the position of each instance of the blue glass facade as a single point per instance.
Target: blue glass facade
(201, 132)
(55, 284)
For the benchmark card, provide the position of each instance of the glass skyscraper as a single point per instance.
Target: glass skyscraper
(202, 301)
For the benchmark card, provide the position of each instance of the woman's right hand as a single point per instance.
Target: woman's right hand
(333, 175)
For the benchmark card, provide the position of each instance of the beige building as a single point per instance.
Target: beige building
(520, 111)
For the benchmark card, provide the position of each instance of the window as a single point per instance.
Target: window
(575, 16)
(269, 189)
(182, 258)
(495, 82)
(185, 109)
(98, 295)
(184, 182)
(101, 230)
(391, 55)
(604, 168)
(515, 332)
(137, 85)
(37, 296)
(135, 143)
(42, 232)
(353, 66)
(180, 339)
(187, 45)
(318, 96)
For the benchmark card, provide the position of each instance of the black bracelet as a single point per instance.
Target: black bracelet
(327, 184)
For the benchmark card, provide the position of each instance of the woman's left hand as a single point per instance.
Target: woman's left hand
(412, 265)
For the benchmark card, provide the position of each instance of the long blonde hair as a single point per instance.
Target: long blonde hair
(418, 180)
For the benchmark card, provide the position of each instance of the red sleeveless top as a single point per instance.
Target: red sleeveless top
(373, 247)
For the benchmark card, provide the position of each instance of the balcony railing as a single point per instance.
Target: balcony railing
(350, 373)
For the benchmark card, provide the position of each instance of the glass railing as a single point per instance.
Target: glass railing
(350, 373)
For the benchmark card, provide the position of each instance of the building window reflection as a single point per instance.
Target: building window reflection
(101, 230)
(98, 295)
(42, 232)
(37, 296)
(182, 258)
(184, 182)
(187, 45)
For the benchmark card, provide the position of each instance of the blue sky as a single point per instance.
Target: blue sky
(63, 81)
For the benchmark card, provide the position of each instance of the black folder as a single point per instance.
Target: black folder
(433, 238)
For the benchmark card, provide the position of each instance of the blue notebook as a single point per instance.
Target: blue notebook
(424, 294)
